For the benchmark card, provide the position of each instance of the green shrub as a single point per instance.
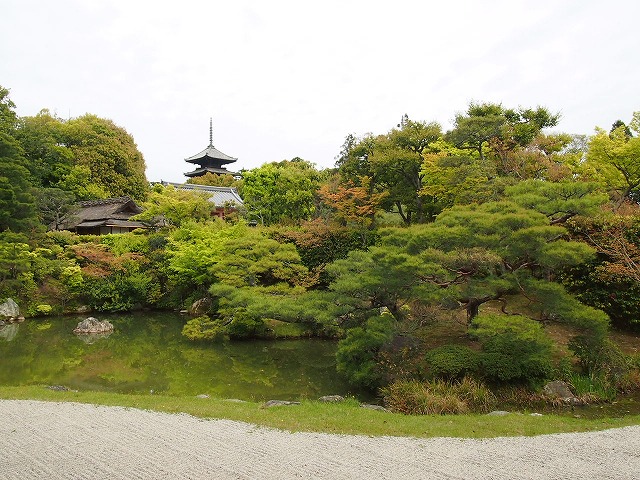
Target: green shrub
(599, 355)
(43, 309)
(204, 329)
(245, 325)
(514, 348)
(122, 291)
(452, 361)
(356, 357)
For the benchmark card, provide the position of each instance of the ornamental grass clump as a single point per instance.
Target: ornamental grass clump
(438, 397)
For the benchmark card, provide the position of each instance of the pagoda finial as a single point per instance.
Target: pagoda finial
(211, 131)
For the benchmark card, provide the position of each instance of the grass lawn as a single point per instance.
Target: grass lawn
(345, 418)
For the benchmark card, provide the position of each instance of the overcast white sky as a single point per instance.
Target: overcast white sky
(293, 78)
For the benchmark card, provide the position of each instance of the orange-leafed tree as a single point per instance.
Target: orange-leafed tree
(353, 204)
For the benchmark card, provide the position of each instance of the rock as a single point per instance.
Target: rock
(560, 389)
(498, 413)
(235, 400)
(369, 406)
(331, 399)
(83, 309)
(93, 325)
(278, 403)
(9, 310)
(200, 307)
(535, 414)
(557, 388)
(202, 395)
(59, 388)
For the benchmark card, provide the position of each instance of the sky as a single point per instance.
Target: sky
(284, 79)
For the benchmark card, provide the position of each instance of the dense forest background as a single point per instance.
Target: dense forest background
(495, 251)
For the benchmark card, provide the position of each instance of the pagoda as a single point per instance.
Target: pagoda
(210, 160)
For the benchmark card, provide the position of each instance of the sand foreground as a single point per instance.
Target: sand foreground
(49, 440)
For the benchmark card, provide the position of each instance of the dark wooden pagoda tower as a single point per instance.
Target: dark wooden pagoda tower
(210, 160)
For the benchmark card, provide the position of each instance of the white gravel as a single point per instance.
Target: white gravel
(47, 440)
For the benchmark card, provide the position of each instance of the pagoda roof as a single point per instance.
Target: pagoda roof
(212, 153)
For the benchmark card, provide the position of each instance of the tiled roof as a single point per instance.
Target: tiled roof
(219, 196)
(203, 170)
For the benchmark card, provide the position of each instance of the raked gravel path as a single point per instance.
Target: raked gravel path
(51, 441)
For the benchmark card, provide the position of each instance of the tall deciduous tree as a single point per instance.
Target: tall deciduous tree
(614, 159)
(392, 164)
(352, 204)
(280, 191)
(116, 164)
(41, 138)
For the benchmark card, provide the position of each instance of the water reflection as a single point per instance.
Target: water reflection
(90, 338)
(147, 353)
(8, 332)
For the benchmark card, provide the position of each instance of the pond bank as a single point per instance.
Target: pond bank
(71, 440)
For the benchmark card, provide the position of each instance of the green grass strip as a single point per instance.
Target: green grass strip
(343, 418)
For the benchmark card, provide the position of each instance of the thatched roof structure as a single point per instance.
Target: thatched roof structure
(109, 215)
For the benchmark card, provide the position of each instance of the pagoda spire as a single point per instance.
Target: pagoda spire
(210, 160)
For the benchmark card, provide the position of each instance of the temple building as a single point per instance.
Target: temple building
(102, 217)
(210, 160)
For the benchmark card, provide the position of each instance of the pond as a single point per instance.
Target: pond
(146, 353)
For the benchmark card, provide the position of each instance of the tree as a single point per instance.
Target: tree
(78, 181)
(171, 206)
(281, 191)
(41, 138)
(110, 153)
(193, 249)
(215, 180)
(253, 260)
(491, 127)
(357, 355)
(353, 204)
(559, 201)
(470, 255)
(8, 117)
(54, 205)
(391, 165)
(612, 281)
(614, 159)
(482, 122)
(17, 205)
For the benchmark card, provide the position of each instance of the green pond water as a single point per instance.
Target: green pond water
(146, 353)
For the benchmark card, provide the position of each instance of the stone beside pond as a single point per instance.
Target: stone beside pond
(331, 399)
(10, 312)
(93, 325)
(278, 403)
